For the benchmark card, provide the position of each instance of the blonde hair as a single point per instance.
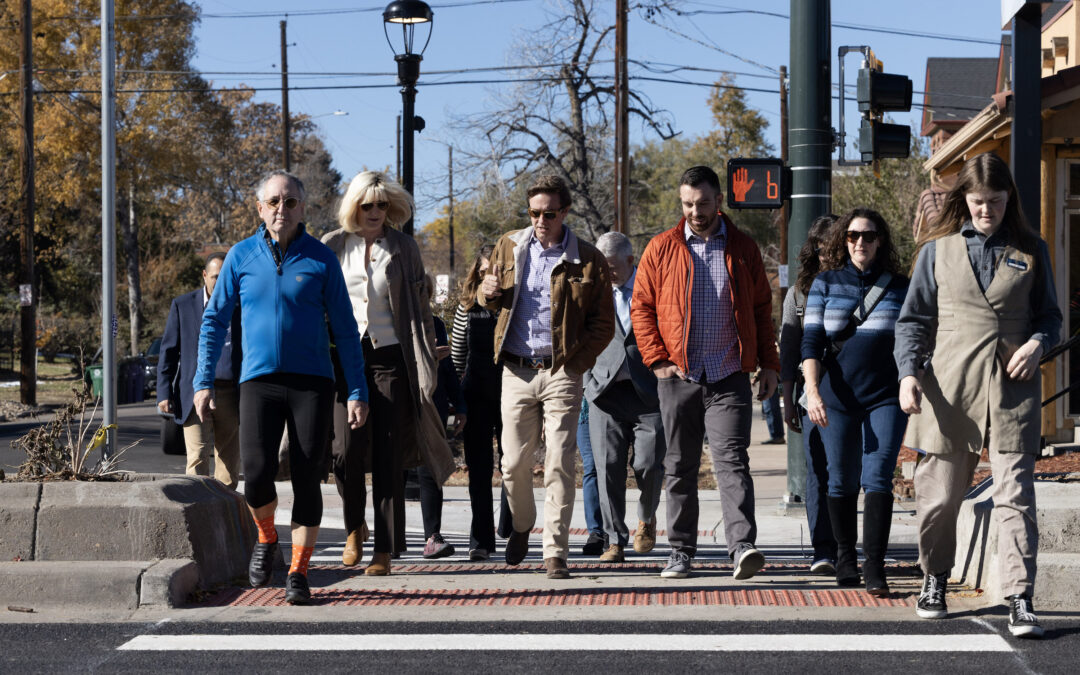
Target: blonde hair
(373, 186)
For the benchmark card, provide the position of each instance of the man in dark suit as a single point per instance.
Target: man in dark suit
(624, 410)
(176, 370)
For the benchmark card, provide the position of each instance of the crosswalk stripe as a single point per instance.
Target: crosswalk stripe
(982, 642)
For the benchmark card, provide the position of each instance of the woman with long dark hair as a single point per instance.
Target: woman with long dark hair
(852, 393)
(791, 331)
(981, 311)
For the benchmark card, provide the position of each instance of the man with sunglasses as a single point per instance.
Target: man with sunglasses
(288, 284)
(702, 313)
(557, 316)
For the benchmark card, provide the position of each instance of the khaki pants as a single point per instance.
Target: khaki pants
(535, 401)
(941, 481)
(219, 434)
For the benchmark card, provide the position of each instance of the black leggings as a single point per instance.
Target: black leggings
(269, 404)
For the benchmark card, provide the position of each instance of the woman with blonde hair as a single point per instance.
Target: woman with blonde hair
(981, 311)
(385, 278)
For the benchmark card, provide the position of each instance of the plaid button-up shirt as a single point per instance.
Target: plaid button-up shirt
(712, 348)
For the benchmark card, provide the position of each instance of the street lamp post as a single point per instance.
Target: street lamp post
(407, 14)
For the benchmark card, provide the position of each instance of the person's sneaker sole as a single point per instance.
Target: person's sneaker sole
(931, 613)
(674, 574)
(1027, 631)
(750, 563)
(823, 567)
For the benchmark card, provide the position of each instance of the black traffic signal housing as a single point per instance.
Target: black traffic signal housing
(878, 93)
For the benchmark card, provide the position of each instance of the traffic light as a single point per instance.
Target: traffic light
(878, 93)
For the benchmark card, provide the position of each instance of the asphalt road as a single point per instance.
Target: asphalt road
(137, 423)
(959, 646)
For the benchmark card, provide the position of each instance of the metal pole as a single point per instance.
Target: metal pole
(408, 73)
(285, 134)
(622, 132)
(450, 169)
(28, 311)
(397, 150)
(108, 226)
(785, 211)
(810, 145)
(1025, 144)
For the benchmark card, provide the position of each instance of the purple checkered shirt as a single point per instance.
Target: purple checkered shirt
(529, 332)
(712, 347)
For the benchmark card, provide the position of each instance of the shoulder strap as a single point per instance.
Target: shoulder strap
(871, 299)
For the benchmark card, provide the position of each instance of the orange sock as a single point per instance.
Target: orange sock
(267, 531)
(300, 557)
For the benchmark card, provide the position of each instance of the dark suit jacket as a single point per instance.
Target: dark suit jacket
(180, 352)
(622, 348)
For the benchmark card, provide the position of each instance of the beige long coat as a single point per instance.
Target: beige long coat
(966, 391)
(415, 330)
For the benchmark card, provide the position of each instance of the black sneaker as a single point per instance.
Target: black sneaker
(297, 591)
(1022, 619)
(931, 603)
(261, 568)
(595, 544)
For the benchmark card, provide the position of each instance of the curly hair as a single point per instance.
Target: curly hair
(809, 260)
(373, 186)
(836, 254)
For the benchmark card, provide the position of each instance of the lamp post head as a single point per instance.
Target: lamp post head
(408, 14)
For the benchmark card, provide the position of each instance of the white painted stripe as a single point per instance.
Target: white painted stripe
(780, 642)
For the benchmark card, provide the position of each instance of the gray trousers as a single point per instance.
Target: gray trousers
(941, 481)
(617, 420)
(724, 409)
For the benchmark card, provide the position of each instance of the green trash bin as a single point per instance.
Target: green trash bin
(93, 376)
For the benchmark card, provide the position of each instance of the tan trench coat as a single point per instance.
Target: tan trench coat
(415, 330)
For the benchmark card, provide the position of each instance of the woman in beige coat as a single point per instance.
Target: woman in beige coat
(980, 311)
(385, 278)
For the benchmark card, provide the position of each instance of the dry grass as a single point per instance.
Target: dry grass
(55, 381)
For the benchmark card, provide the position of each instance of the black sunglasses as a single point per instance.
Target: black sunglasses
(548, 215)
(869, 236)
(382, 206)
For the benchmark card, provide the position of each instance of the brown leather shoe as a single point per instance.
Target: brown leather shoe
(645, 537)
(354, 549)
(517, 547)
(380, 565)
(614, 554)
(556, 568)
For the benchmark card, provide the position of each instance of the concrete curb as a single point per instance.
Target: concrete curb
(118, 584)
(1058, 513)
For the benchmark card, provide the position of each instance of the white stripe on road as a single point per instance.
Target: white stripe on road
(484, 642)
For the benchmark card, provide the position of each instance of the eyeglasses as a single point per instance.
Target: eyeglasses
(290, 202)
(869, 236)
(548, 215)
(382, 206)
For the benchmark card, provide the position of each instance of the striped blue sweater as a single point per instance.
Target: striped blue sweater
(863, 375)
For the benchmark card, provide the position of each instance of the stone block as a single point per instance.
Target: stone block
(168, 583)
(18, 517)
(114, 585)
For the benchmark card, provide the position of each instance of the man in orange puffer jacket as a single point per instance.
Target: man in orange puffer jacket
(702, 313)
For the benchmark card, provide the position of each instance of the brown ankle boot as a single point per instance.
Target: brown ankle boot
(354, 549)
(380, 565)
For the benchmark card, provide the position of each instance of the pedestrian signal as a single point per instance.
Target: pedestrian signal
(757, 183)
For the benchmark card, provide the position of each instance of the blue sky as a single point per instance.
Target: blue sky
(243, 37)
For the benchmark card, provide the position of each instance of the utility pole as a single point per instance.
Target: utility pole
(622, 132)
(1025, 143)
(27, 297)
(785, 212)
(450, 170)
(285, 134)
(108, 226)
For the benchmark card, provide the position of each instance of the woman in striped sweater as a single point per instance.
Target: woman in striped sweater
(852, 387)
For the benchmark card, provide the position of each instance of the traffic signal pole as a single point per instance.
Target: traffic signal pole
(810, 145)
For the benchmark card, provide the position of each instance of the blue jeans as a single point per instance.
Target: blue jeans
(861, 448)
(770, 407)
(590, 491)
(817, 480)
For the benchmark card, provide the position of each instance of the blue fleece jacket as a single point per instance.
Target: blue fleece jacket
(283, 312)
(863, 375)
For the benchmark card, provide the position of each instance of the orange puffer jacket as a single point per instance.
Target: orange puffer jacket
(660, 310)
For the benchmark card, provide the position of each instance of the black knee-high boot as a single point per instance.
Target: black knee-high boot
(844, 514)
(877, 521)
